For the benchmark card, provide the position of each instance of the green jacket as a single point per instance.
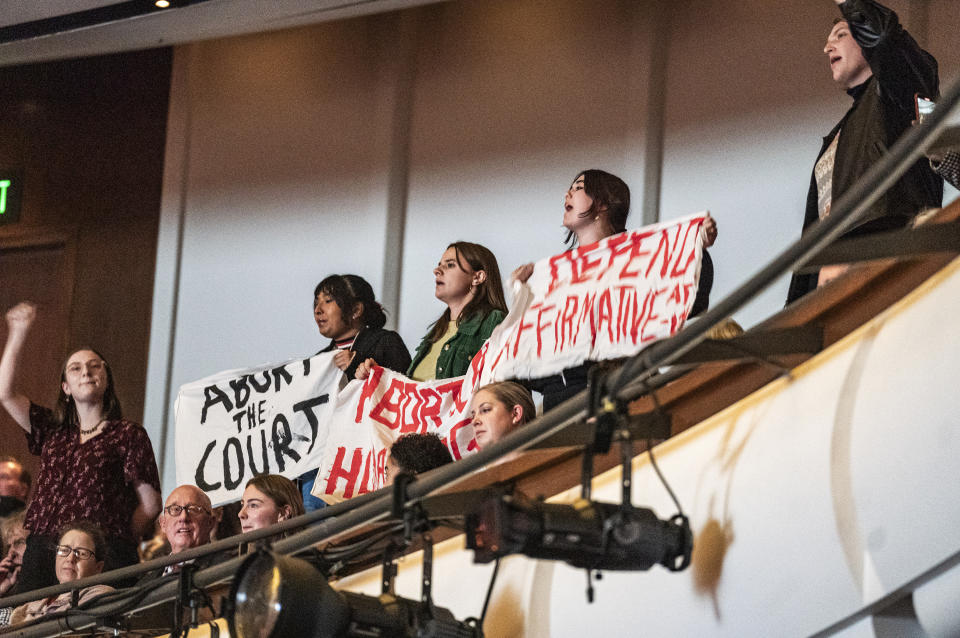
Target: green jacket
(454, 360)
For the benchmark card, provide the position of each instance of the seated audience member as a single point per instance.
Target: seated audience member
(187, 521)
(267, 500)
(14, 485)
(414, 454)
(498, 408)
(467, 280)
(15, 541)
(348, 314)
(882, 68)
(80, 550)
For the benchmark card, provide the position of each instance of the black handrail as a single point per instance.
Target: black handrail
(628, 383)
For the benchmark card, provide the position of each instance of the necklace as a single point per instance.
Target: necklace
(94, 428)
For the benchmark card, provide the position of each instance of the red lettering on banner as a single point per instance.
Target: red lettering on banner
(693, 253)
(388, 404)
(521, 326)
(476, 364)
(453, 387)
(587, 313)
(586, 268)
(605, 313)
(363, 489)
(452, 440)
(623, 311)
(430, 408)
(567, 318)
(617, 245)
(540, 325)
(337, 472)
(369, 387)
(635, 253)
(410, 394)
(663, 248)
(638, 317)
(651, 315)
(555, 270)
(504, 349)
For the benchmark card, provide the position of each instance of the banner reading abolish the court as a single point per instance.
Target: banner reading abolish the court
(237, 424)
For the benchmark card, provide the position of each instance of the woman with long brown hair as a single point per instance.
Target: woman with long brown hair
(94, 464)
(467, 280)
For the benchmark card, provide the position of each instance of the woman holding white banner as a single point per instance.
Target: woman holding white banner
(347, 313)
(596, 206)
(94, 464)
(467, 280)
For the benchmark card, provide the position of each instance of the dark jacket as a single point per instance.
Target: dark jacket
(384, 346)
(455, 358)
(883, 108)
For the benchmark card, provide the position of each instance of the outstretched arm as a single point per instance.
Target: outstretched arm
(19, 320)
(901, 67)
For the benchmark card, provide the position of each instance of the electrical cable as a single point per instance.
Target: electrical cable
(486, 601)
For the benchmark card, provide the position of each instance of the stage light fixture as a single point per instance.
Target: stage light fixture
(276, 596)
(588, 534)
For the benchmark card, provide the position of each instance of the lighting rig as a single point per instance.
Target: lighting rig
(588, 533)
(275, 596)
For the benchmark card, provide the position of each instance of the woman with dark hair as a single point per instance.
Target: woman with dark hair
(94, 464)
(347, 313)
(595, 207)
(80, 552)
(497, 408)
(267, 500)
(414, 454)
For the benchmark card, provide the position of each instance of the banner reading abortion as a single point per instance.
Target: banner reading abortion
(601, 301)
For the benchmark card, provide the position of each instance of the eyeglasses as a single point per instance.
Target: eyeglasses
(192, 510)
(81, 553)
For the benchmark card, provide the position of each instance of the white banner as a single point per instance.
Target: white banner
(236, 424)
(597, 302)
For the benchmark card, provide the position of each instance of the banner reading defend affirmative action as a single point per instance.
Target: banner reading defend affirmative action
(596, 302)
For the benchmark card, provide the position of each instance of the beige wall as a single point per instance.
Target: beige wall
(367, 145)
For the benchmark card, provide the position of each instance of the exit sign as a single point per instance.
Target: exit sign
(11, 191)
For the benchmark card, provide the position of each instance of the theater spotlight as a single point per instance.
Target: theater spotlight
(591, 535)
(276, 596)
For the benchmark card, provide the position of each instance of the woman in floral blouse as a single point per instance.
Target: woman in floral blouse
(94, 464)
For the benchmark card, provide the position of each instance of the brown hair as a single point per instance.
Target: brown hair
(281, 491)
(607, 191)
(489, 293)
(92, 530)
(65, 411)
(510, 393)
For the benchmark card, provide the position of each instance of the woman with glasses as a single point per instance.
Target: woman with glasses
(94, 464)
(80, 551)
